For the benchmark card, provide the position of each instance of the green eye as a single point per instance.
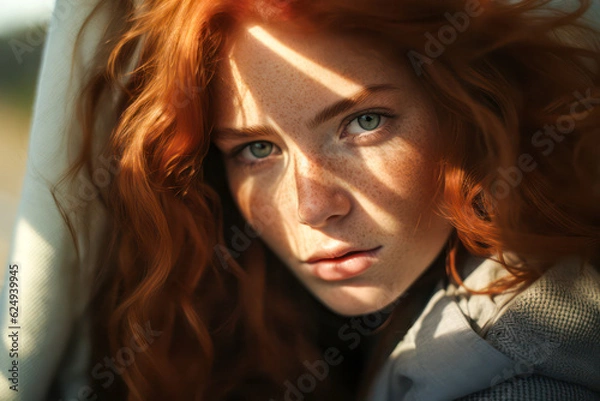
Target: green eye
(260, 149)
(369, 121)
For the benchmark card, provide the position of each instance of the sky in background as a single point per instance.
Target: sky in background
(21, 13)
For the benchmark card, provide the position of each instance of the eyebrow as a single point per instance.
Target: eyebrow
(346, 104)
(329, 112)
(235, 134)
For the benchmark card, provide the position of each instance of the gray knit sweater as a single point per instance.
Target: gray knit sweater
(542, 344)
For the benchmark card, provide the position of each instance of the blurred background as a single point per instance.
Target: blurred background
(23, 25)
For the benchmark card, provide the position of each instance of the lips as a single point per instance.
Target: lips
(342, 263)
(337, 253)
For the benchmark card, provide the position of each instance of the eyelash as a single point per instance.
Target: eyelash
(381, 130)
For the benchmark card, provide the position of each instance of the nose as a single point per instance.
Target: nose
(321, 199)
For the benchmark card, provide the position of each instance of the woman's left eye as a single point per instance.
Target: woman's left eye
(364, 122)
(260, 150)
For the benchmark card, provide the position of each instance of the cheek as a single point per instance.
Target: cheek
(244, 196)
(406, 166)
(413, 171)
(256, 204)
(401, 176)
(402, 196)
(266, 212)
(415, 178)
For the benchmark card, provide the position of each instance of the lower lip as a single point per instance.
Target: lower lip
(345, 267)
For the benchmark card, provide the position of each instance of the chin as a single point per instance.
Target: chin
(354, 301)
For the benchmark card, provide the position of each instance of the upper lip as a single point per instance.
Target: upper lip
(337, 252)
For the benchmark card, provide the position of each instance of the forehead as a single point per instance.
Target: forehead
(270, 73)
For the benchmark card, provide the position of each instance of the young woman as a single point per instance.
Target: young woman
(339, 200)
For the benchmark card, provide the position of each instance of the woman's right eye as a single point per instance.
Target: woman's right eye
(254, 151)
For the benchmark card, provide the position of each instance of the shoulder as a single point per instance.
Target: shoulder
(542, 343)
(552, 328)
(534, 388)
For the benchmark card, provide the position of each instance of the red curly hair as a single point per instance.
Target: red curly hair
(234, 326)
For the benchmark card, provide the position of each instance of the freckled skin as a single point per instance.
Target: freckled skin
(320, 189)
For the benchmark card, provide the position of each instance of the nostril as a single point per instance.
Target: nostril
(321, 197)
(317, 210)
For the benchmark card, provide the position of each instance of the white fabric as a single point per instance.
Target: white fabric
(444, 357)
(441, 357)
(51, 280)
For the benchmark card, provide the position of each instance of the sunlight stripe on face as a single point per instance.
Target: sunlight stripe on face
(333, 81)
(244, 97)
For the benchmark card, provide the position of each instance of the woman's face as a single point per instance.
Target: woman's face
(329, 146)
